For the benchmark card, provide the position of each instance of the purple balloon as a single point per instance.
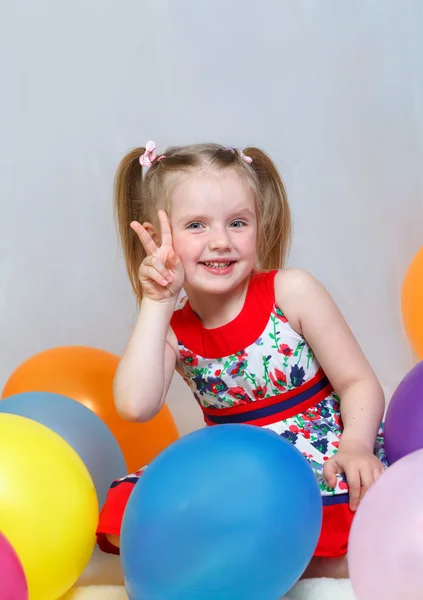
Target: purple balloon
(12, 577)
(404, 418)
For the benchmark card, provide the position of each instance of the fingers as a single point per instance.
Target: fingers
(367, 479)
(144, 237)
(378, 471)
(166, 232)
(354, 484)
(173, 259)
(360, 475)
(153, 268)
(330, 471)
(369, 475)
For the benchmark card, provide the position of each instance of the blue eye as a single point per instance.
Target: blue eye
(194, 226)
(237, 224)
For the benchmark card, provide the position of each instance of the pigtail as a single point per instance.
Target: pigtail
(130, 205)
(274, 234)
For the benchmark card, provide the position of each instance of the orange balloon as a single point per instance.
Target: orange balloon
(86, 375)
(412, 303)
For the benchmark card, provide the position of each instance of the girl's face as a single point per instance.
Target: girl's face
(214, 228)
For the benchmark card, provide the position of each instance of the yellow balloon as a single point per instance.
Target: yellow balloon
(48, 506)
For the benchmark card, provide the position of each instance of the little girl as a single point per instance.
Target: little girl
(256, 343)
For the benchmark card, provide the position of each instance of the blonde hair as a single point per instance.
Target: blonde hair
(138, 198)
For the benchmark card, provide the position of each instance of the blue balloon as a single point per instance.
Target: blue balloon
(77, 425)
(228, 512)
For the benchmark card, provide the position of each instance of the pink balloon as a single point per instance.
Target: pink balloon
(13, 584)
(385, 553)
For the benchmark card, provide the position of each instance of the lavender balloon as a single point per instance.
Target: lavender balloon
(385, 550)
(404, 418)
(13, 584)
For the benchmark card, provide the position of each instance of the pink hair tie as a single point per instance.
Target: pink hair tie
(149, 157)
(245, 158)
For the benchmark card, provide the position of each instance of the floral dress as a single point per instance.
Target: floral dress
(258, 370)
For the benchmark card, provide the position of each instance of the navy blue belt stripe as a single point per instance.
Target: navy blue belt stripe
(130, 479)
(338, 499)
(273, 409)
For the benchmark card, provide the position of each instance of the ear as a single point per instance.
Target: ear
(152, 232)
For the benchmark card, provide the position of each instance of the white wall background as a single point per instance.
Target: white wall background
(333, 90)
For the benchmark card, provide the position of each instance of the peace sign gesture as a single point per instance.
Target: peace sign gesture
(161, 273)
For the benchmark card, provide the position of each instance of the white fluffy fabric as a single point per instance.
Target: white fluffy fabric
(322, 589)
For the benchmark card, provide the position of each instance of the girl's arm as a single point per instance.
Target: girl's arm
(146, 369)
(312, 312)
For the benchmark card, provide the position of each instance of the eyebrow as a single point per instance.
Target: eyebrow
(244, 211)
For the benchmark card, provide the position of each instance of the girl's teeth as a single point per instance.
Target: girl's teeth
(218, 265)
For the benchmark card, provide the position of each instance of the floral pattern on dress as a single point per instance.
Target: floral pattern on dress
(280, 360)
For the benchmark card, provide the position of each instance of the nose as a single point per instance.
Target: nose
(220, 240)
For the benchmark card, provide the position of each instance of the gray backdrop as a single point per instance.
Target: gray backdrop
(332, 90)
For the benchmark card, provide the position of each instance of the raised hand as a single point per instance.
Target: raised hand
(161, 272)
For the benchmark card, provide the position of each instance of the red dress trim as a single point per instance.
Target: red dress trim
(236, 335)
